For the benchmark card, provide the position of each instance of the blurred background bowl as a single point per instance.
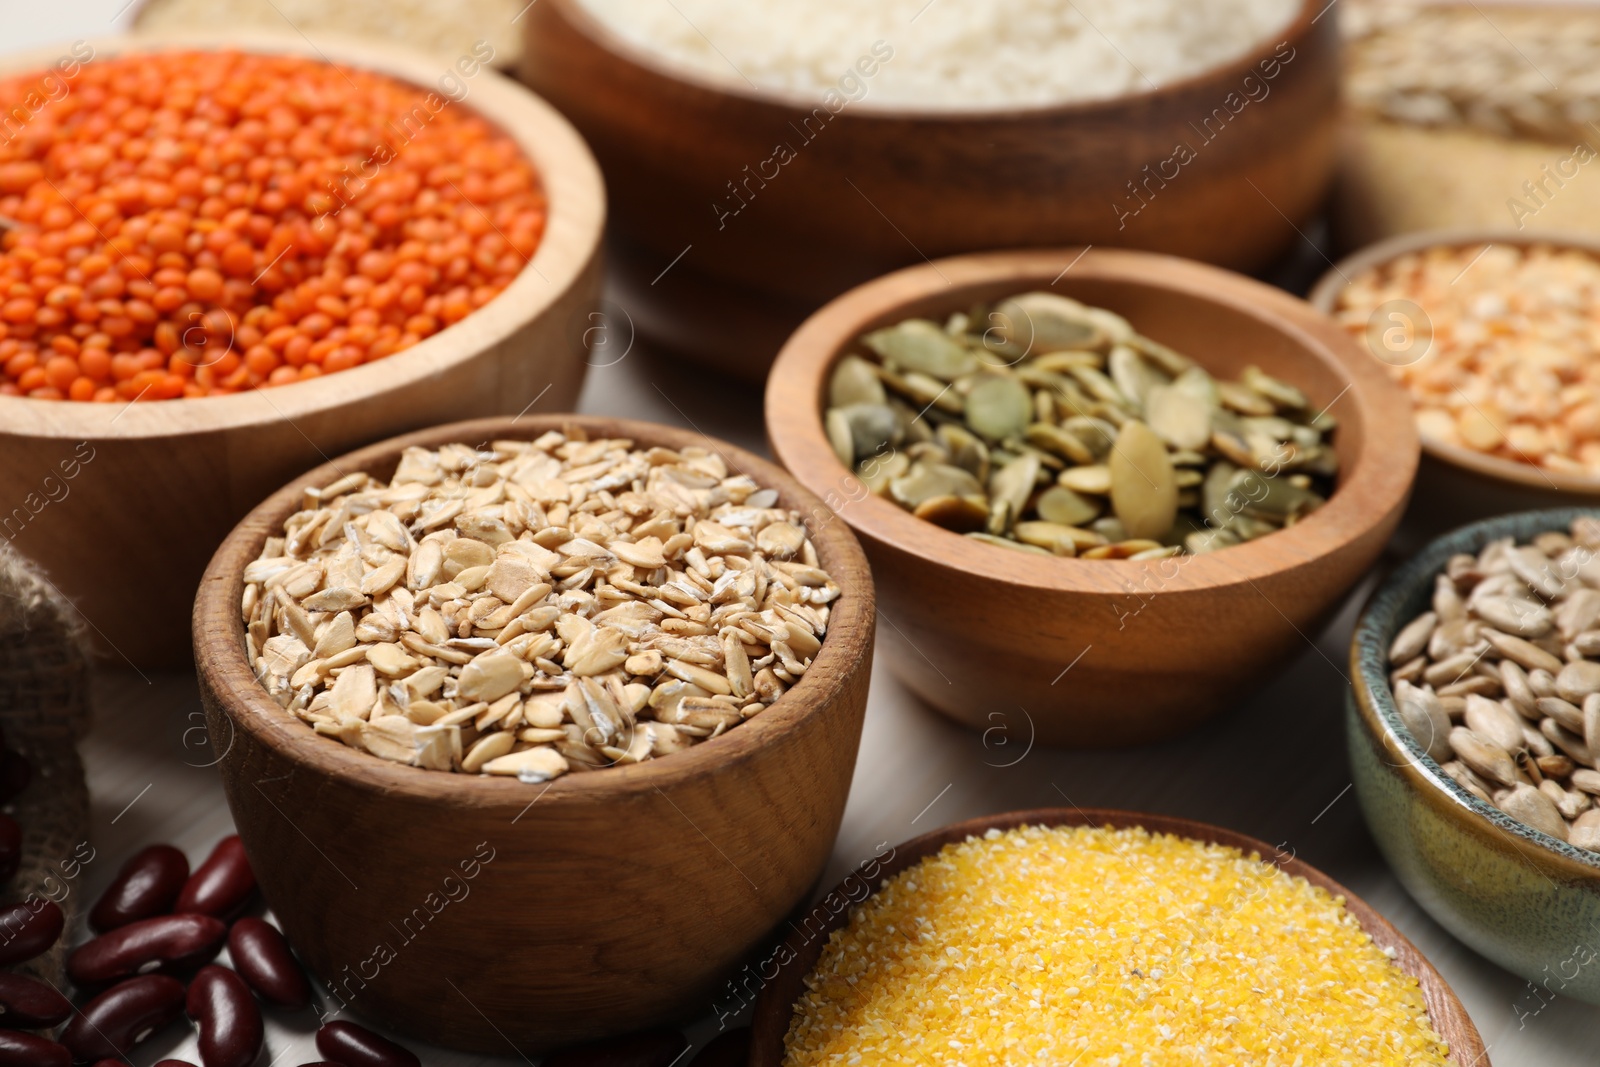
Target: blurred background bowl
(880, 187)
(1457, 485)
(1103, 652)
(1524, 899)
(614, 900)
(775, 1006)
(155, 486)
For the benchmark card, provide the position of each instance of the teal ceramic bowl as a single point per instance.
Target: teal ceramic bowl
(1527, 901)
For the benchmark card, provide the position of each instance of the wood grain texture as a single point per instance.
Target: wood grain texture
(775, 1005)
(614, 900)
(1095, 651)
(156, 486)
(875, 187)
(1458, 485)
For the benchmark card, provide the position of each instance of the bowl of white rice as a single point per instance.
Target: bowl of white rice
(785, 150)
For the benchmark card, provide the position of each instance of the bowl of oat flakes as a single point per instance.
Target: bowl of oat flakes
(562, 709)
(1493, 334)
(1472, 730)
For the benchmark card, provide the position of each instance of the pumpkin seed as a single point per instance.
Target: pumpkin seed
(1143, 492)
(998, 407)
(970, 422)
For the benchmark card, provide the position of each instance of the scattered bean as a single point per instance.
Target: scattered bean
(356, 1046)
(262, 957)
(29, 1050)
(647, 1048)
(29, 1004)
(172, 943)
(220, 1004)
(222, 884)
(123, 1016)
(148, 885)
(28, 930)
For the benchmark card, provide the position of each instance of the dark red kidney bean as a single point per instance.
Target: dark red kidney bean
(115, 1021)
(28, 929)
(15, 774)
(261, 955)
(168, 943)
(356, 1046)
(731, 1048)
(10, 847)
(30, 1050)
(30, 1004)
(647, 1048)
(222, 884)
(148, 885)
(222, 1007)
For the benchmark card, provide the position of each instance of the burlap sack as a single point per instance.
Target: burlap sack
(44, 709)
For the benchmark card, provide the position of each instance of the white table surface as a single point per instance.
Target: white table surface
(1274, 767)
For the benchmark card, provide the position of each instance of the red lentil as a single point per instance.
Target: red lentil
(201, 223)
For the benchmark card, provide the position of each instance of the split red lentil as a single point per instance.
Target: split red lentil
(200, 223)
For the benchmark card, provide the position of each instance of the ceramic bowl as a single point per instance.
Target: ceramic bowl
(1099, 652)
(1524, 899)
(491, 916)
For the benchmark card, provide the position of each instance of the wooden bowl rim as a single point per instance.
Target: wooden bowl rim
(1325, 295)
(220, 658)
(1382, 472)
(1373, 699)
(625, 52)
(568, 172)
(772, 1017)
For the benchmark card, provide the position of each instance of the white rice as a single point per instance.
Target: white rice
(949, 53)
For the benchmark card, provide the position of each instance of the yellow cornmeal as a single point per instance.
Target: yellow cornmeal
(1096, 948)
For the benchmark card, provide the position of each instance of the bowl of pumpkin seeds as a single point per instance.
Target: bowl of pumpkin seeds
(1103, 491)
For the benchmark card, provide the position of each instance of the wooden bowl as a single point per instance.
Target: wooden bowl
(1100, 652)
(123, 504)
(775, 1005)
(879, 187)
(1524, 899)
(614, 900)
(1456, 485)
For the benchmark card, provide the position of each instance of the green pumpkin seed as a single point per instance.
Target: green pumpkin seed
(1059, 441)
(1173, 363)
(998, 407)
(927, 480)
(1178, 416)
(1132, 375)
(1243, 399)
(1095, 479)
(965, 450)
(1044, 322)
(1143, 492)
(1097, 434)
(877, 474)
(1013, 483)
(1059, 504)
(840, 437)
(855, 381)
(921, 346)
(872, 427)
(1054, 536)
(1006, 542)
(1282, 394)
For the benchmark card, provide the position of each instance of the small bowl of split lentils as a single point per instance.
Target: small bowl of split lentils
(1474, 735)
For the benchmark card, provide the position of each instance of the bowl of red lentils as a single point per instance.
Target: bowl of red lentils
(1064, 936)
(1495, 335)
(224, 260)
